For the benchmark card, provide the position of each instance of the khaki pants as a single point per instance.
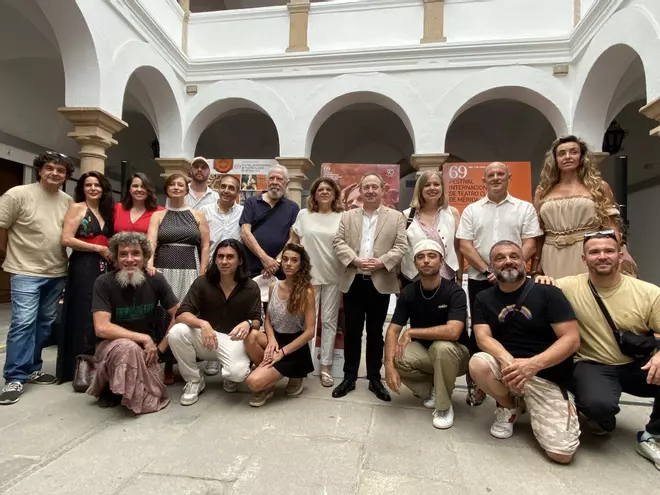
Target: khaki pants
(186, 345)
(439, 366)
(553, 415)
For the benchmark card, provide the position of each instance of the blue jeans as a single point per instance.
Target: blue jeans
(33, 311)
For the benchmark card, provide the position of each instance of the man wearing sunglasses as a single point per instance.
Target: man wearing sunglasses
(31, 218)
(619, 340)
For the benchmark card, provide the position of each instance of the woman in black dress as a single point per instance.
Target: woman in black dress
(283, 350)
(87, 228)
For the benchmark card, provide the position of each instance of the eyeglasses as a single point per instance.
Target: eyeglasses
(601, 233)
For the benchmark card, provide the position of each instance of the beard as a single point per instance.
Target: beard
(275, 193)
(510, 275)
(124, 279)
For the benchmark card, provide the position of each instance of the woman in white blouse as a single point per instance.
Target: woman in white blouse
(315, 228)
(431, 217)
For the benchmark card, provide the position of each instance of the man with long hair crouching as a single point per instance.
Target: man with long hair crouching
(219, 311)
(123, 309)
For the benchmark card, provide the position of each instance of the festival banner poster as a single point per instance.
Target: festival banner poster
(465, 182)
(251, 173)
(348, 176)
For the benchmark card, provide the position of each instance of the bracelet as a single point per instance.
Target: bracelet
(283, 353)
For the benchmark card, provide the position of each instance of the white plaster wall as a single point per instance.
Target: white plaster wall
(29, 102)
(238, 32)
(359, 24)
(481, 20)
(169, 15)
(585, 6)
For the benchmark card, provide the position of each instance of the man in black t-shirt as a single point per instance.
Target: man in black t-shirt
(528, 334)
(123, 308)
(218, 313)
(429, 355)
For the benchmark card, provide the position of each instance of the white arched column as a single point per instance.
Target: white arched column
(631, 32)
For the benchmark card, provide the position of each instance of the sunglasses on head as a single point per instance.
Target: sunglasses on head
(601, 233)
(55, 153)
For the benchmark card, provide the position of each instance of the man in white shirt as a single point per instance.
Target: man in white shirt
(199, 193)
(370, 243)
(224, 214)
(496, 217)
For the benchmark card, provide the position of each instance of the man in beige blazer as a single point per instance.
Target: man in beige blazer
(370, 243)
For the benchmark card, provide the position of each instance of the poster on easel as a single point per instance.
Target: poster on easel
(251, 173)
(348, 175)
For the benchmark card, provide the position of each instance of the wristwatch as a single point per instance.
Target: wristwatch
(249, 322)
(487, 272)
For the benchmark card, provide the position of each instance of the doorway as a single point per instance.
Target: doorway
(11, 174)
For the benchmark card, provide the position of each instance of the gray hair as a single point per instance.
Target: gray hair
(503, 243)
(282, 168)
(130, 239)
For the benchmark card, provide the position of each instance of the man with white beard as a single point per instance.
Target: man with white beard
(266, 224)
(528, 334)
(123, 308)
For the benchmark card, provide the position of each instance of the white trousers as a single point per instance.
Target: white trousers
(328, 297)
(186, 344)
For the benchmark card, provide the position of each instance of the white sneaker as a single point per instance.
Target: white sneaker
(443, 419)
(429, 402)
(229, 386)
(504, 421)
(191, 392)
(212, 368)
(649, 448)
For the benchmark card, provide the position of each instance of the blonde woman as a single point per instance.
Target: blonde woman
(431, 217)
(571, 199)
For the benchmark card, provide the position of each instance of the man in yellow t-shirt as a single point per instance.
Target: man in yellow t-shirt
(31, 218)
(602, 372)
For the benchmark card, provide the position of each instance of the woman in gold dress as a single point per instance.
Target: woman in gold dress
(572, 199)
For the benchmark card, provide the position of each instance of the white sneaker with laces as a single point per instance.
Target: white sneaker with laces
(429, 402)
(212, 368)
(504, 420)
(649, 448)
(191, 392)
(229, 386)
(443, 419)
(11, 393)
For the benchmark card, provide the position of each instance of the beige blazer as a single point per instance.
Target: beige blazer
(390, 244)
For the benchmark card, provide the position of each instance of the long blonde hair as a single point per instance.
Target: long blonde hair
(417, 199)
(587, 172)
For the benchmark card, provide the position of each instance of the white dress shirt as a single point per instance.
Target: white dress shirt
(222, 225)
(486, 222)
(368, 234)
(210, 197)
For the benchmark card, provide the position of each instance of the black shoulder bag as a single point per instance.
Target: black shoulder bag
(410, 218)
(529, 285)
(631, 344)
(263, 218)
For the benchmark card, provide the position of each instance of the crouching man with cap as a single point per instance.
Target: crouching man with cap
(432, 353)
